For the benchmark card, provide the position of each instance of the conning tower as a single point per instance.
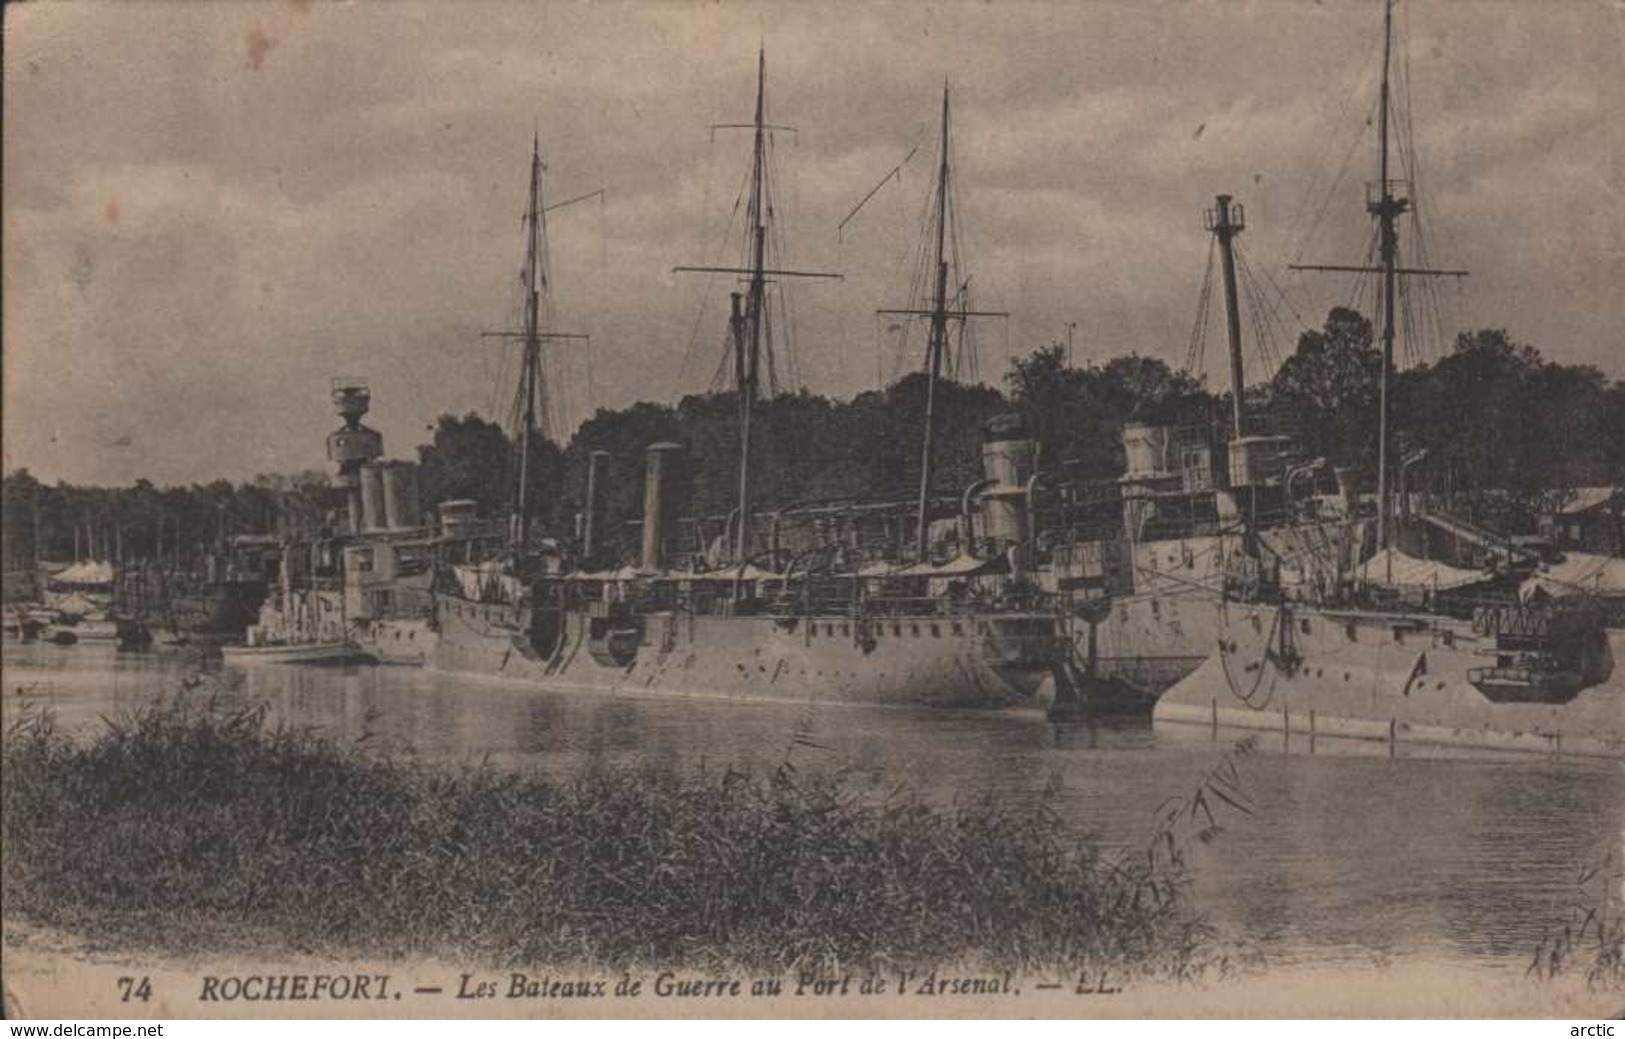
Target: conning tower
(353, 445)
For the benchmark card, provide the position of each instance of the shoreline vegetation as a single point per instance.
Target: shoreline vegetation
(1510, 437)
(196, 824)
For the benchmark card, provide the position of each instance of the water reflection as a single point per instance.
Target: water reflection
(1349, 855)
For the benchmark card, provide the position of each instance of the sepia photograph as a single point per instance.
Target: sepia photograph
(668, 509)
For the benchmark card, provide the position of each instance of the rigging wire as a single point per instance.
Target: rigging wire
(1198, 340)
(1365, 66)
(1268, 318)
(917, 281)
(1326, 200)
(690, 353)
(1331, 192)
(1256, 317)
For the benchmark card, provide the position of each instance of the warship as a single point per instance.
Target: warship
(832, 621)
(1370, 651)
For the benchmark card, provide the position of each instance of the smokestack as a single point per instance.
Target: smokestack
(400, 486)
(589, 536)
(1008, 457)
(374, 515)
(655, 506)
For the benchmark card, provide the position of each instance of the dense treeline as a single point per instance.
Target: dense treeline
(141, 520)
(1507, 433)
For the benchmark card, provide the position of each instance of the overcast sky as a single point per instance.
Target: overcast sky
(212, 209)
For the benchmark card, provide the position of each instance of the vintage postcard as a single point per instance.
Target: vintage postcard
(1037, 509)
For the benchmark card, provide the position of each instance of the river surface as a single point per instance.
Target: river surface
(1349, 857)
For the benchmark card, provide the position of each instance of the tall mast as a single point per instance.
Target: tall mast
(1227, 221)
(1387, 208)
(938, 341)
(533, 345)
(937, 345)
(755, 300)
(533, 386)
(745, 329)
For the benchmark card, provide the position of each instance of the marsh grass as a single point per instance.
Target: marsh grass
(1589, 938)
(195, 824)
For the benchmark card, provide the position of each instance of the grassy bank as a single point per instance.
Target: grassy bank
(197, 826)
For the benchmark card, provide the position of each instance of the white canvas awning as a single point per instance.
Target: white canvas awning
(1410, 572)
(89, 572)
(958, 566)
(882, 568)
(74, 603)
(1579, 572)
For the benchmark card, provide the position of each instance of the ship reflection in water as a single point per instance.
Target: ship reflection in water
(1351, 857)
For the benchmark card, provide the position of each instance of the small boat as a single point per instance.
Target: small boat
(96, 629)
(69, 632)
(296, 653)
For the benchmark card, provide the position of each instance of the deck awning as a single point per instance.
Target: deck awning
(1579, 572)
(89, 572)
(1410, 572)
(958, 566)
(74, 603)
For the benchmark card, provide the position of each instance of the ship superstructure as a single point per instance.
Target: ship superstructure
(356, 587)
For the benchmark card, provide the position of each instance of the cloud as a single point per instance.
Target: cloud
(211, 209)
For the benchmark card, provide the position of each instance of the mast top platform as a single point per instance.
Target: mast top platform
(1386, 195)
(1226, 216)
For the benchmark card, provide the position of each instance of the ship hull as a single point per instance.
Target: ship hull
(406, 643)
(295, 653)
(970, 661)
(1398, 679)
(1151, 644)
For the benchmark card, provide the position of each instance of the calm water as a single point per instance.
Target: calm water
(1350, 856)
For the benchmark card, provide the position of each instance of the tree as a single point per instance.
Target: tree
(1510, 434)
(468, 458)
(1077, 414)
(1329, 391)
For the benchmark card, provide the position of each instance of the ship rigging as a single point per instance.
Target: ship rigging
(532, 415)
(943, 308)
(748, 324)
(1386, 200)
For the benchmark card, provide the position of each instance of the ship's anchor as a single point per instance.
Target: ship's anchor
(1284, 654)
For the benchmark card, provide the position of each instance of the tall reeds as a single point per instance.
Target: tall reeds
(1589, 936)
(197, 823)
